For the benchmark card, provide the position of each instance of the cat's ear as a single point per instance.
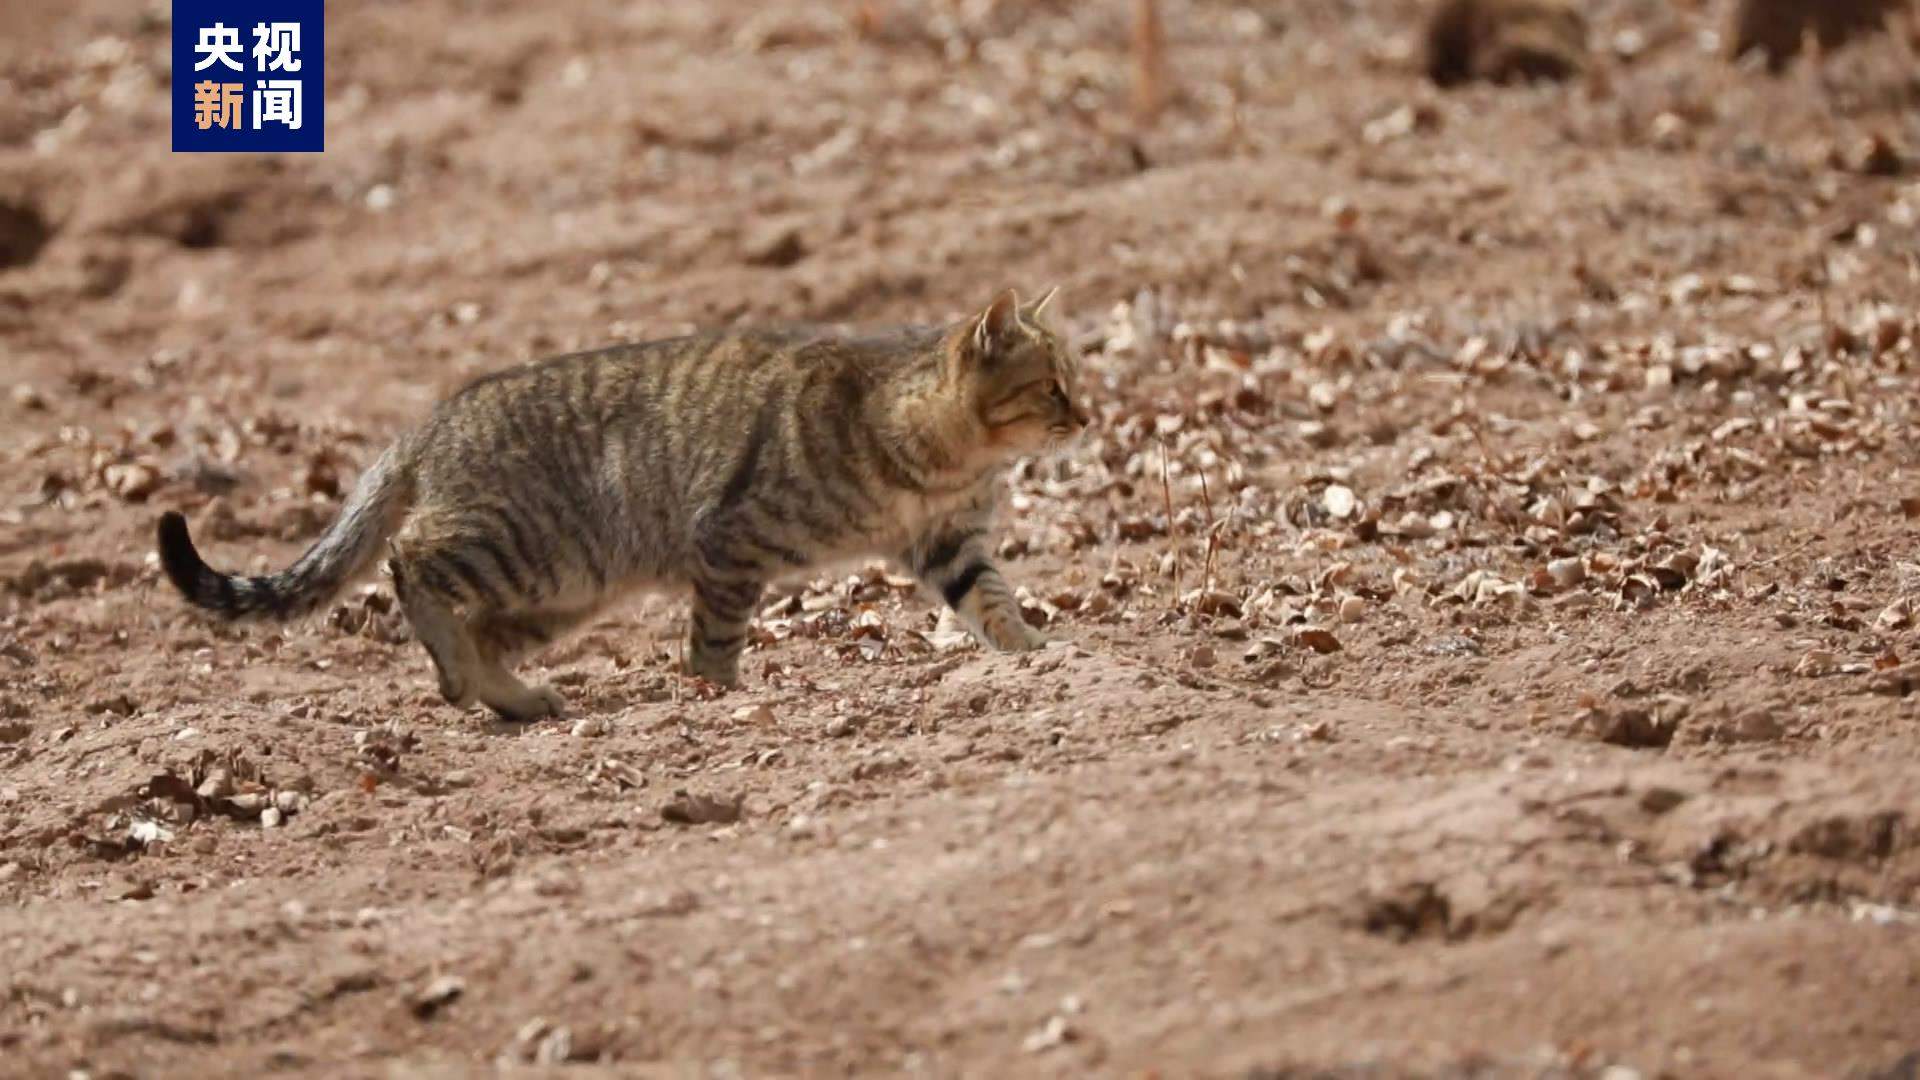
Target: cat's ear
(996, 324)
(1038, 308)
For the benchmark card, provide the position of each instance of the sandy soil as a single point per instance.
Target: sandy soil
(1486, 601)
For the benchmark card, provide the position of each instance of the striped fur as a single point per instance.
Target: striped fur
(534, 497)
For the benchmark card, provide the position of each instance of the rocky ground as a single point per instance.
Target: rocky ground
(1486, 602)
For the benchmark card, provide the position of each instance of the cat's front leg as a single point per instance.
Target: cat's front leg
(721, 611)
(954, 563)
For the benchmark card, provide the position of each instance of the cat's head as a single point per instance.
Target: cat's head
(1019, 376)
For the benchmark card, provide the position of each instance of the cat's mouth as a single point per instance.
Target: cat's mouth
(1067, 429)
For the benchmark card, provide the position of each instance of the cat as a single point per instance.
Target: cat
(1778, 28)
(533, 497)
(1505, 41)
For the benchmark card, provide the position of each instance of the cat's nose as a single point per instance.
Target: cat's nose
(1081, 418)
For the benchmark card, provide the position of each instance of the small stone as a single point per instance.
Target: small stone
(1566, 573)
(1757, 725)
(1339, 501)
(1201, 656)
(117, 704)
(1629, 727)
(589, 727)
(134, 482)
(556, 1048)
(686, 808)
(1659, 800)
(1352, 609)
(1669, 131)
(776, 245)
(1816, 664)
(839, 727)
(758, 715)
(1055, 1032)
(289, 802)
(1876, 156)
(270, 818)
(217, 785)
(434, 996)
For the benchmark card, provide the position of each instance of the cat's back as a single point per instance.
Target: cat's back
(722, 365)
(689, 404)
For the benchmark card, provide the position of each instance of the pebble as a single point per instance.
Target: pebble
(1567, 573)
(589, 727)
(1757, 725)
(270, 818)
(760, 714)
(1055, 1032)
(1629, 727)
(431, 997)
(217, 785)
(1659, 800)
(1339, 501)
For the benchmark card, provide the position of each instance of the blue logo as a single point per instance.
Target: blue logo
(247, 76)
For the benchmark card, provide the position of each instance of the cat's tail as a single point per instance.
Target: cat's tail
(343, 553)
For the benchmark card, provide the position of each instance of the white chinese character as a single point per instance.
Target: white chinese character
(218, 43)
(275, 45)
(277, 100)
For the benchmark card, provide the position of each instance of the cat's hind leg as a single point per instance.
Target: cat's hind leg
(444, 635)
(502, 637)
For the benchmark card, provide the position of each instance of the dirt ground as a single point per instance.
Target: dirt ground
(1486, 603)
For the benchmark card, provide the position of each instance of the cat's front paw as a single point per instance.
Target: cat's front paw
(721, 671)
(1008, 632)
(530, 705)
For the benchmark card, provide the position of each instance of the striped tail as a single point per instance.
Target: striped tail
(342, 554)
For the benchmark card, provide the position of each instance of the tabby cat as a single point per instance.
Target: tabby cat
(533, 497)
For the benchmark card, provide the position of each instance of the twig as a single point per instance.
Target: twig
(1173, 531)
(1213, 532)
(1149, 64)
(1785, 555)
(680, 669)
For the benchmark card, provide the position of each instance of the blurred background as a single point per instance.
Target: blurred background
(522, 179)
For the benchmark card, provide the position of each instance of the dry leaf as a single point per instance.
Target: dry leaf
(1319, 640)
